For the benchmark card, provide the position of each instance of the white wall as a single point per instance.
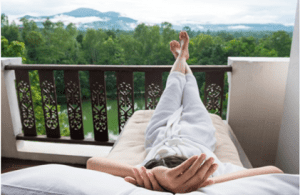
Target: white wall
(287, 157)
(255, 105)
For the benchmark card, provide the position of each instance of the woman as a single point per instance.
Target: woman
(179, 137)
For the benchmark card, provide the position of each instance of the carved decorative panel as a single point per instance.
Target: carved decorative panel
(98, 98)
(74, 107)
(125, 102)
(50, 107)
(154, 93)
(25, 103)
(153, 87)
(213, 98)
(49, 103)
(125, 97)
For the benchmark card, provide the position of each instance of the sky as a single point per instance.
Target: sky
(157, 11)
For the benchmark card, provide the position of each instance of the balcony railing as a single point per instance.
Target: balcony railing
(213, 97)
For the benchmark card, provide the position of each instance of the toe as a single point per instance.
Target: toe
(183, 35)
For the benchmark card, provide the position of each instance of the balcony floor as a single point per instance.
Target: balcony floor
(12, 164)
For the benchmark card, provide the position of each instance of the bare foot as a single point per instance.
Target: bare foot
(175, 48)
(184, 40)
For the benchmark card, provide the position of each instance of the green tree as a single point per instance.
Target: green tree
(61, 46)
(168, 33)
(131, 49)
(13, 49)
(79, 39)
(10, 32)
(213, 55)
(226, 36)
(91, 45)
(244, 46)
(197, 46)
(280, 41)
(27, 27)
(34, 41)
(4, 20)
(149, 37)
(111, 52)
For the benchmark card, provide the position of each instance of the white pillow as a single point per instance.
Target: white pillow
(61, 179)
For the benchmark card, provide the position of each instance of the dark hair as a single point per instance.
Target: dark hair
(169, 161)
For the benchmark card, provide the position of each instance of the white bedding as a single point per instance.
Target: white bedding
(62, 179)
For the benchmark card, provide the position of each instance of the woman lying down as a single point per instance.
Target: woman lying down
(179, 139)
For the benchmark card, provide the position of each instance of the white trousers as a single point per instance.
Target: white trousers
(181, 124)
(195, 123)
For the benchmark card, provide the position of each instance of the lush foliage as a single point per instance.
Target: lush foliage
(146, 45)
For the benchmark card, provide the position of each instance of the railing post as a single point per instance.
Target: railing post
(98, 100)
(49, 101)
(73, 95)
(25, 102)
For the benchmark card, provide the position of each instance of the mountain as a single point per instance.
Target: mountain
(85, 18)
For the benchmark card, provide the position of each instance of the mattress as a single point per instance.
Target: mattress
(130, 143)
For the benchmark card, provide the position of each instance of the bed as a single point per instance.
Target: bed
(129, 148)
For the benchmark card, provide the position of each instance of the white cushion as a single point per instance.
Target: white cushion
(130, 149)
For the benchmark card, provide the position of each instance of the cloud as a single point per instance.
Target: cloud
(132, 25)
(239, 27)
(289, 24)
(69, 19)
(76, 20)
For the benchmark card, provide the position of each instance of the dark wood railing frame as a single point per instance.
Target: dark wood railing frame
(213, 97)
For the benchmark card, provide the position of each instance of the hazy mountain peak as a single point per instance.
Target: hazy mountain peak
(112, 14)
(85, 18)
(84, 12)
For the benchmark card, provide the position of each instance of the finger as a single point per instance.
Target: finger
(206, 183)
(147, 183)
(138, 177)
(204, 170)
(130, 180)
(193, 169)
(210, 171)
(205, 167)
(154, 182)
(176, 171)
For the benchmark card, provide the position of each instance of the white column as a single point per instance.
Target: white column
(10, 114)
(287, 157)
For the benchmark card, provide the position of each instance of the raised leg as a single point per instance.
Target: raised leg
(195, 118)
(169, 102)
(171, 99)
